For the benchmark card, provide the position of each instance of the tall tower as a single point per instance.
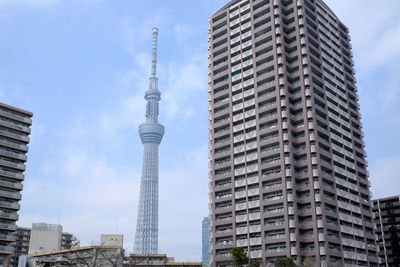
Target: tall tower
(151, 134)
(287, 161)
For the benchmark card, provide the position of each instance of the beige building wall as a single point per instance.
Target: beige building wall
(112, 240)
(45, 238)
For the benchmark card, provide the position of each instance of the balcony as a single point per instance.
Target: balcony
(6, 250)
(242, 242)
(11, 238)
(14, 175)
(224, 243)
(8, 194)
(14, 136)
(9, 205)
(11, 216)
(11, 184)
(15, 117)
(241, 230)
(254, 228)
(14, 145)
(11, 164)
(4, 152)
(15, 126)
(8, 226)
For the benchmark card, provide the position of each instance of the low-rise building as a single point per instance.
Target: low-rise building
(104, 256)
(23, 239)
(387, 219)
(69, 241)
(45, 238)
(159, 260)
(112, 240)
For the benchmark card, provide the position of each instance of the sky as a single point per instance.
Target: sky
(82, 67)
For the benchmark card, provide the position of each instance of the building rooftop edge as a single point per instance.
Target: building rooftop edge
(386, 198)
(16, 109)
(225, 7)
(73, 249)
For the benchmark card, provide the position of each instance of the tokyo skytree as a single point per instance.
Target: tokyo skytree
(151, 134)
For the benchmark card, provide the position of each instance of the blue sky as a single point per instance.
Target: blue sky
(82, 67)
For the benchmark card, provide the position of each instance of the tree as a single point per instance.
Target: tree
(239, 257)
(255, 263)
(95, 256)
(285, 262)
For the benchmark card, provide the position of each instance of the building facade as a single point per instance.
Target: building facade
(45, 238)
(14, 138)
(22, 240)
(160, 260)
(151, 133)
(387, 219)
(21, 245)
(205, 241)
(69, 241)
(287, 161)
(105, 256)
(112, 240)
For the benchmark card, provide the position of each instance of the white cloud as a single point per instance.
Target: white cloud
(387, 47)
(128, 115)
(134, 33)
(84, 193)
(384, 176)
(185, 81)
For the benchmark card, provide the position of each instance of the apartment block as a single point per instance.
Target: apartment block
(14, 138)
(21, 245)
(69, 241)
(287, 162)
(42, 233)
(387, 219)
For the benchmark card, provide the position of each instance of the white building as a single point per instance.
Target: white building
(45, 238)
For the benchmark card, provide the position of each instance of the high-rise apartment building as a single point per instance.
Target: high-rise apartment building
(14, 139)
(387, 219)
(205, 241)
(287, 160)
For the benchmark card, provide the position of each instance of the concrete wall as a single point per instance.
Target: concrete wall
(44, 241)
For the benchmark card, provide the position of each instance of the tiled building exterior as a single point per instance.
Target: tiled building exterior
(14, 138)
(387, 219)
(287, 161)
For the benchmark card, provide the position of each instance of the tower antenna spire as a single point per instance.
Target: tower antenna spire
(154, 55)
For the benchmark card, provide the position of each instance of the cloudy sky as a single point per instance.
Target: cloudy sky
(82, 65)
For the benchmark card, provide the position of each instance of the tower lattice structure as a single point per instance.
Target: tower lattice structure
(151, 134)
